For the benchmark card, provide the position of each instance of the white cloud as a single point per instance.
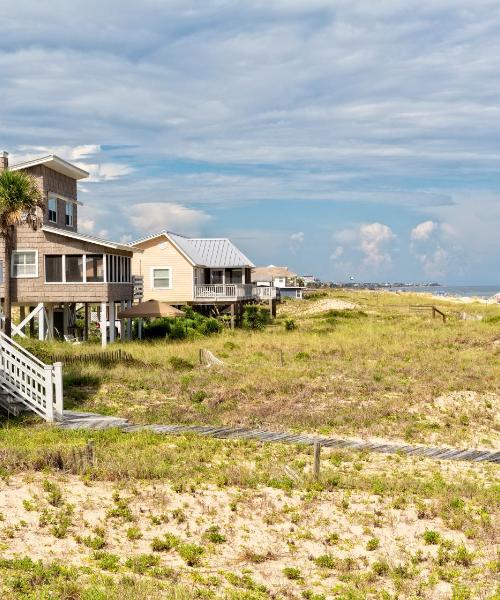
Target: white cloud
(86, 225)
(105, 171)
(371, 240)
(153, 216)
(423, 230)
(297, 238)
(337, 253)
(374, 238)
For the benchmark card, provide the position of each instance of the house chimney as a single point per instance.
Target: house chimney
(4, 161)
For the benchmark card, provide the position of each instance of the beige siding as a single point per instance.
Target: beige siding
(160, 252)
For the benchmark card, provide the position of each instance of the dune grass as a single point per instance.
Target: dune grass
(378, 371)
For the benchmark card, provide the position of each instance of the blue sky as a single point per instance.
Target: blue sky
(337, 137)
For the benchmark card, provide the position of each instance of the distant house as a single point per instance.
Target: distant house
(205, 272)
(286, 282)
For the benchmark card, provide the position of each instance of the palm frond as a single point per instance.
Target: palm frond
(20, 199)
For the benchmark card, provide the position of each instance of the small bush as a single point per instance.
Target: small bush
(168, 542)
(290, 325)
(325, 561)
(372, 544)
(107, 561)
(134, 533)
(140, 564)
(255, 317)
(380, 567)
(431, 537)
(292, 573)
(190, 553)
(214, 535)
(302, 356)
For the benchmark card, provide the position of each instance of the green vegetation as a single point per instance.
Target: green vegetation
(183, 516)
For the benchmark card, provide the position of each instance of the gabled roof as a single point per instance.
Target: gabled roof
(204, 252)
(56, 164)
(270, 272)
(86, 238)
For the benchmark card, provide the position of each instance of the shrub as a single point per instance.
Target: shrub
(302, 356)
(290, 325)
(372, 544)
(255, 317)
(214, 535)
(380, 567)
(165, 544)
(431, 537)
(190, 553)
(134, 533)
(140, 564)
(325, 560)
(292, 573)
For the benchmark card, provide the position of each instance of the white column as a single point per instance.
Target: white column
(58, 400)
(112, 319)
(104, 327)
(41, 323)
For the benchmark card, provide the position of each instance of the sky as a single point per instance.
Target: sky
(341, 138)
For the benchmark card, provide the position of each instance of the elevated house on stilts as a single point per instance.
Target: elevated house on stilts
(57, 269)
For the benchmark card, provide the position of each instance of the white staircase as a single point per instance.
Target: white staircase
(26, 383)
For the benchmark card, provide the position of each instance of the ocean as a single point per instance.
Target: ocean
(480, 291)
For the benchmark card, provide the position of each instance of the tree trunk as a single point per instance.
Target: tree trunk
(7, 306)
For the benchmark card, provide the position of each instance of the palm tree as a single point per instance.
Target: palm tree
(20, 198)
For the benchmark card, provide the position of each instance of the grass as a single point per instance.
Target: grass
(183, 517)
(377, 371)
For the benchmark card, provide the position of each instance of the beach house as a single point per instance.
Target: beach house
(57, 268)
(211, 274)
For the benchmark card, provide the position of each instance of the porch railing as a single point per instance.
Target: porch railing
(30, 381)
(265, 292)
(224, 291)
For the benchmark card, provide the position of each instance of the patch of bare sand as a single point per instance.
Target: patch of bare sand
(265, 529)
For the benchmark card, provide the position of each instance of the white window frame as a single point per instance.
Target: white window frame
(153, 269)
(71, 214)
(49, 210)
(20, 251)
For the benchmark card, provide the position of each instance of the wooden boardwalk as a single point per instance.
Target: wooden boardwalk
(92, 421)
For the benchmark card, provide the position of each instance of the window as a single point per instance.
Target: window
(74, 267)
(234, 276)
(161, 278)
(69, 214)
(24, 263)
(216, 276)
(94, 268)
(53, 268)
(53, 210)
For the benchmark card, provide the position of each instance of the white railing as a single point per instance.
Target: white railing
(265, 292)
(224, 291)
(30, 381)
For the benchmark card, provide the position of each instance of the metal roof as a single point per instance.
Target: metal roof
(211, 252)
(205, 252)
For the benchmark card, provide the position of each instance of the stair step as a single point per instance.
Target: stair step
(11, 404)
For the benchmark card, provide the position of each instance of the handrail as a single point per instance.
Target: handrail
(21, 349)
(24, 376)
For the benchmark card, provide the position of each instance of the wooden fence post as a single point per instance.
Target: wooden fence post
(90, 452)
(317, 458)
